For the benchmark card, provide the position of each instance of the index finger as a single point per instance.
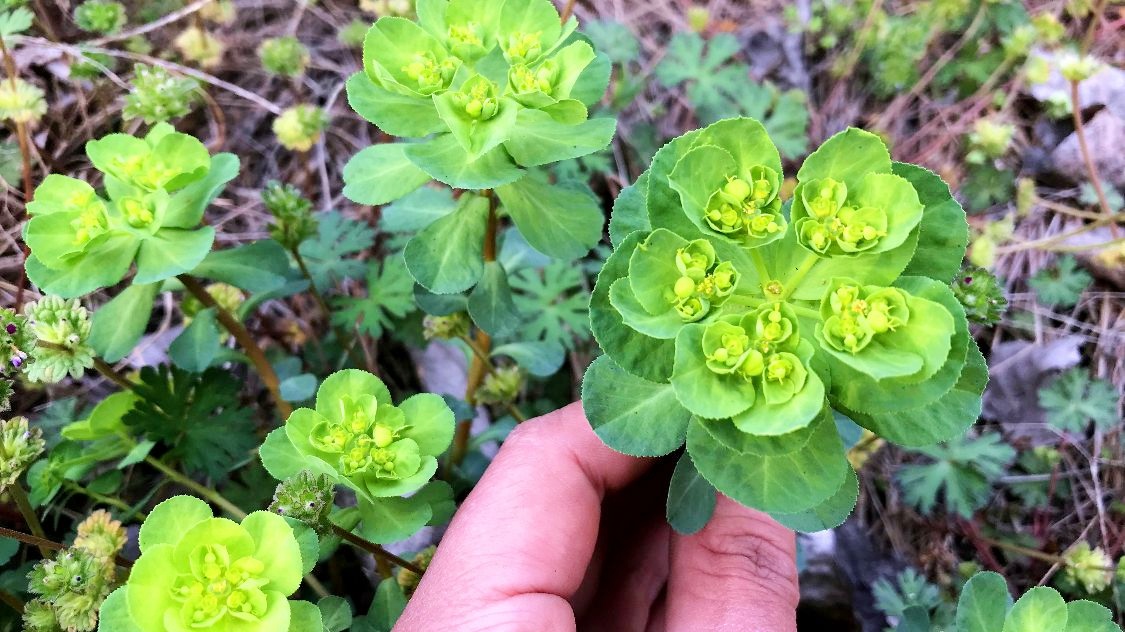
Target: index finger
(519, 546)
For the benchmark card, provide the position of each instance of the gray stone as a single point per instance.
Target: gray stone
(1105, 135)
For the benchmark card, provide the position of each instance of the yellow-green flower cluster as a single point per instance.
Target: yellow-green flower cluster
(62, 329)
(21, 102)
(284, 56)
(20, 445)
(1090, 568)
(299, 127)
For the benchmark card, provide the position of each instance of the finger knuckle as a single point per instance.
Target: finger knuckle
(737, 551)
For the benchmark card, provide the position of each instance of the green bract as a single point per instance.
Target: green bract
(741, 324)
(373, 446)
(156, 190)
(500, 84)
(199, 572)
(359, 439)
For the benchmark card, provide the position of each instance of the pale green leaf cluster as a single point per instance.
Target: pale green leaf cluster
(497, 86)
(382, 452)
(156, 189)
(199, 572)
(749, 317)
(156, 95)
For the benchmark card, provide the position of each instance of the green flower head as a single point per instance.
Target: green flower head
(100, 16)
(157, 189)
(673, 281)
(62, 329)
(484, 82)
(20, 101)
(20, 445)
(371, 445)
(306, 497)
(284, 56)
(157, 95)
(73, 584)
(299, 127)
(1089, 568)
(747, 324)
(199, 572)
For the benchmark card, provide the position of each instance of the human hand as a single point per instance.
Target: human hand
(563, 533)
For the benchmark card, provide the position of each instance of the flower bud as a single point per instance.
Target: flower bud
(199, 46)
(500, 386)
(454, 325)
(101, 535)
(157, 95)
(21, 102)
(735, 191)
(293, 218)
(64, 325)
(408, 579)
(306, 497)
(20, 446)
(1076, 67)
(981, 294)
(1090, 569)
(298, 128)
(284, 56)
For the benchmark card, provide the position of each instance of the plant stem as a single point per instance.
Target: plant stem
(567, 10)
(245, 340)
(513, 410)
(11, 601)
(112, 375)
(1029, 552)
(345, 340)
(29, 515)
(375, 549)
(46, 546)
(760, 267)
(479, 366)
(1091, 168)
(107, 500)
(25, 166)
(206, 492)
(795, 281)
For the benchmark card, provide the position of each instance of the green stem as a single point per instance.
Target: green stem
(346, 341)
(1087, 159)
(808, 312)
(29, 515)
(375, 549)
(11, 601)
(46, 546)
(112, 501)
(478, 366)
(760, 267)
(206, 492)
(795, 281)
(245, 340)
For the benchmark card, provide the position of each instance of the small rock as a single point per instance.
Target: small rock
(1105, 135)
(1105, 87)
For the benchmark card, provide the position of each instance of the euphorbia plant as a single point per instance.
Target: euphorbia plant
(156, 190)
(358, 438)
(199, 572)
(743, 325)
(482, 95)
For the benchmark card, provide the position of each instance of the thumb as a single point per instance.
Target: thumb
(738, 573)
